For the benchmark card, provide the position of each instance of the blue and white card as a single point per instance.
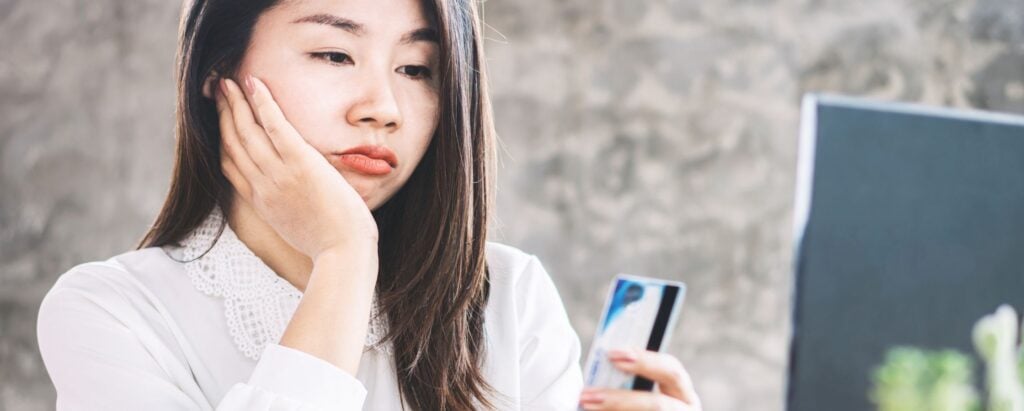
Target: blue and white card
(639, 313)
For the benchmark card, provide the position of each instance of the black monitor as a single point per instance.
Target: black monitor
(909, 228)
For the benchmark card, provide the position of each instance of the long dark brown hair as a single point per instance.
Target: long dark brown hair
(433, 282)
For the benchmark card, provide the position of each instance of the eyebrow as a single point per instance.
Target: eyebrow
(421, 34)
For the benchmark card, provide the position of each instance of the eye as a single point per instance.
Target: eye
(415, 71)
(332, 57)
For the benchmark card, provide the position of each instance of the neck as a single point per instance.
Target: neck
(266, 244)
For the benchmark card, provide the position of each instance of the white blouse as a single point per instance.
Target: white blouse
(160, 329)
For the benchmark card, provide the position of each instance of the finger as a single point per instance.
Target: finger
(251, 135)
(230, 146)
(662, 368)
(287, 140)
(629, 400)
(234, 176)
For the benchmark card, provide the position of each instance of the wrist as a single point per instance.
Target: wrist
(359, 260)
(349, 250)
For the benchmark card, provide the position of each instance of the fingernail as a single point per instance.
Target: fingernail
(223, 84)
(591, 397)
(622, 355)
(249, 86)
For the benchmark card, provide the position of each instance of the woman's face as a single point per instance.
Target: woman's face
(352, 73)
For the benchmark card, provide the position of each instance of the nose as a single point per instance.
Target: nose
(375, 105)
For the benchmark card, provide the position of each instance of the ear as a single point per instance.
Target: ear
(208, 84)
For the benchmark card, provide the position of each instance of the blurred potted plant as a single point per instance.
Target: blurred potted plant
(912, 379)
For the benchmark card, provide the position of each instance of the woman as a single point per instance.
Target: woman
(323, 244)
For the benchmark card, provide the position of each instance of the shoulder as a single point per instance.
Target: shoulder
(120, 273)
(506, 261)
(513, 267)
(108, 287)
(520, 276)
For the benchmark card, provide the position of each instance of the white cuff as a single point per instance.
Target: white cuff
(308, 379)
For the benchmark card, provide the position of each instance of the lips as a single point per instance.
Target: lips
(367, 159)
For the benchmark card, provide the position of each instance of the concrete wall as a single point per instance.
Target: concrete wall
(654, 137)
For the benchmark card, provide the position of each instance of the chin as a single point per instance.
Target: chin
(374, 192)
(377, 199)
(371, 198)
(374, 203)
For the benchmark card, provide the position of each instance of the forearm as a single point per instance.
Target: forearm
(331, 319)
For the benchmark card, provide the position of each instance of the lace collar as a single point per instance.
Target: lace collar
(257, 302)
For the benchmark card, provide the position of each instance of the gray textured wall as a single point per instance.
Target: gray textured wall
(655, 137)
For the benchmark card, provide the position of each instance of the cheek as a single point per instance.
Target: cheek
(308, 108)
(421, 115)
(420, 109)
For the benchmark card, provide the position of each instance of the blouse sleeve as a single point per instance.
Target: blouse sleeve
(97, 361)
(550, 374)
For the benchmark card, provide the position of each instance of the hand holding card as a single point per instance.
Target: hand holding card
(624, 363)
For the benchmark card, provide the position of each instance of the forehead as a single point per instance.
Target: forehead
(376, 16)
